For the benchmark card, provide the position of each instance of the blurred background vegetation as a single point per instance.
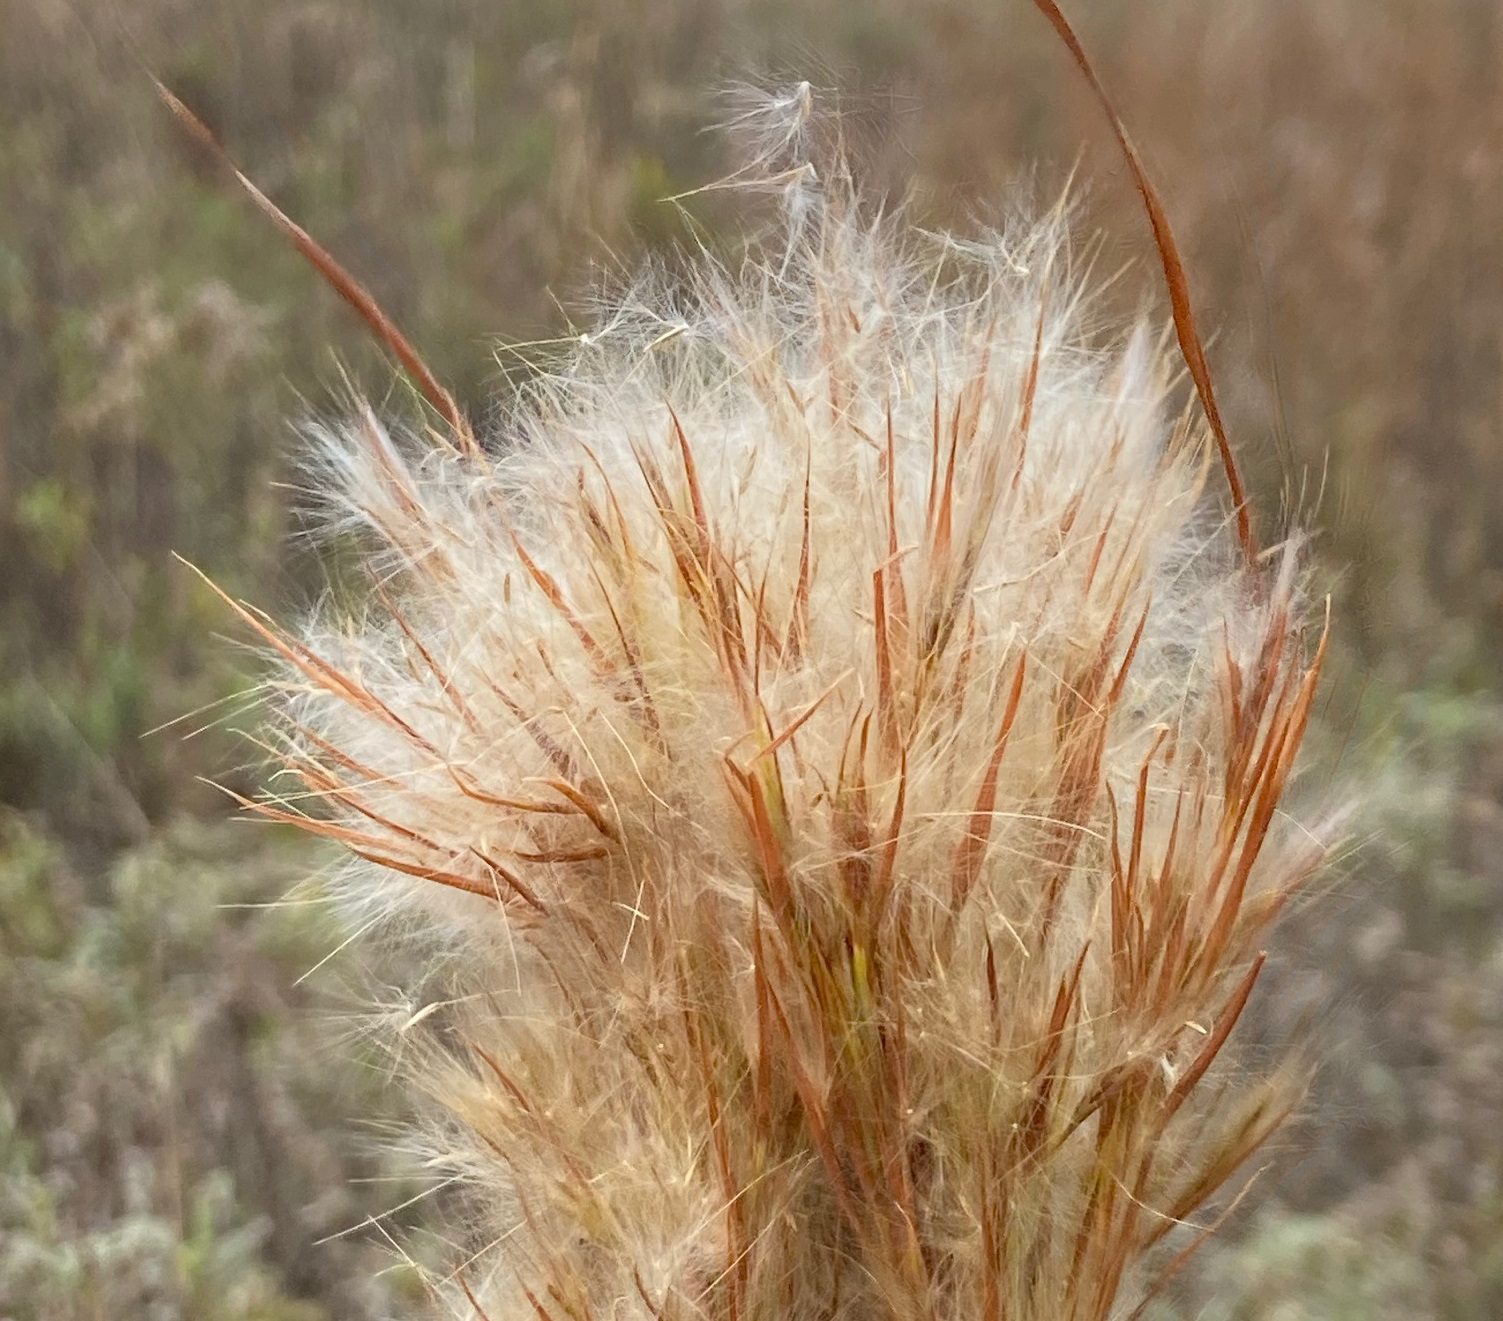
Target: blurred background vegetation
(182, 1111)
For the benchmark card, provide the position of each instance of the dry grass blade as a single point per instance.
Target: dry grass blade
(1176, 277)
(340, 280)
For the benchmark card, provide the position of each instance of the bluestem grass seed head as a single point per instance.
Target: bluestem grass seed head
(836, 737)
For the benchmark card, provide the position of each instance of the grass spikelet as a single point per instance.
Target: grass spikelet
(840, 749)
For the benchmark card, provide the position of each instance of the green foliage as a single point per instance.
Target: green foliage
(1294, 1267)
(172, 1125)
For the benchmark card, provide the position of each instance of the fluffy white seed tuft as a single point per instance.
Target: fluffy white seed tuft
(838, 746)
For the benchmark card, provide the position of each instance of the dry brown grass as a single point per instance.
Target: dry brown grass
(1332, 173)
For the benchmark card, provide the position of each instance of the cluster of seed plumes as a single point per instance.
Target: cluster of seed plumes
(834, 741)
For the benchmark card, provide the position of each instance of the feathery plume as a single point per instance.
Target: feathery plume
(835, 739)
